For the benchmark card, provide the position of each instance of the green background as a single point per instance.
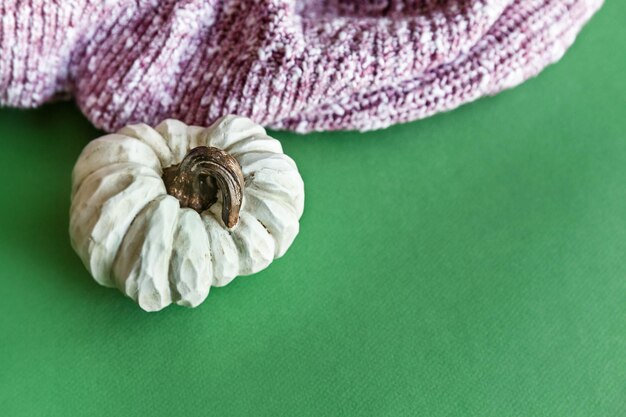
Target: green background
(470, 264)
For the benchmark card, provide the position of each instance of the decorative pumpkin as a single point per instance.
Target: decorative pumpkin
(165, 213)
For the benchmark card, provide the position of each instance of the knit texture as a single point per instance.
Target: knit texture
(298, 65)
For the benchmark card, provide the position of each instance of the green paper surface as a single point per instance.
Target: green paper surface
(470, 264)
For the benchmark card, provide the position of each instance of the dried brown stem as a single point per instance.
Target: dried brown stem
(196, 180)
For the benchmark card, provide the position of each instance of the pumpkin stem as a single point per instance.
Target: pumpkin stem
(202, 172)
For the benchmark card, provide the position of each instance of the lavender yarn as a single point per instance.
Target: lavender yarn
(298, 65)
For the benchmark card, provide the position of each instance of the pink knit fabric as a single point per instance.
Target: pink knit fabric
(299, 65)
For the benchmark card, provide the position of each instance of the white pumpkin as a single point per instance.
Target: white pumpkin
(157, 248)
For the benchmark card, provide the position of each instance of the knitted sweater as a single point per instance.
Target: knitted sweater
(299, 65)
